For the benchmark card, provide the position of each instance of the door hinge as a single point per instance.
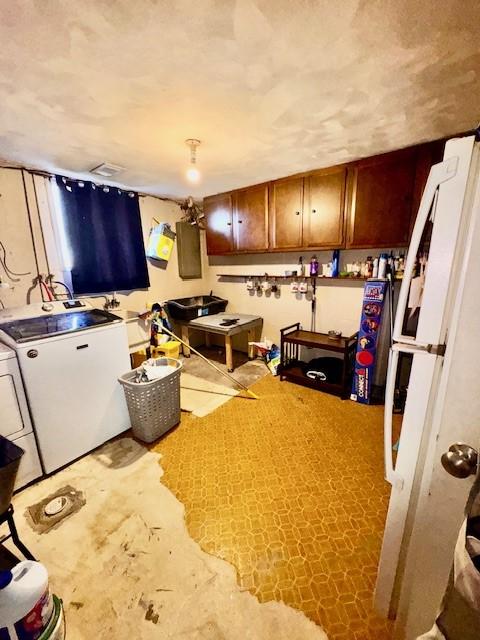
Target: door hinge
(437, 349)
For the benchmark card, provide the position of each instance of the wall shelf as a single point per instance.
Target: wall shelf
(274, 276)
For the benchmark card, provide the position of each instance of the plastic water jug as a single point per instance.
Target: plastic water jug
(26, 605)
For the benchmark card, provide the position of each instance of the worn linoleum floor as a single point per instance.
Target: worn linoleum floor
(126, 567)
(290, 490)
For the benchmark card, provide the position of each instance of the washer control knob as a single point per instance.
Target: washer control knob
(47, 306)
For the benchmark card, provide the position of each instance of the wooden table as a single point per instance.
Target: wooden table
(291, 367)
(212, 324)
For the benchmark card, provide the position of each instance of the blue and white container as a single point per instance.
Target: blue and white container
(26, 606)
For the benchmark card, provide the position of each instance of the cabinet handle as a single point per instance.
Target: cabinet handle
(297, 213)
(314, 211)
(229, 224)
(240, 221)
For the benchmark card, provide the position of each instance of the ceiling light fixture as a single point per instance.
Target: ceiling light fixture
(193, 174)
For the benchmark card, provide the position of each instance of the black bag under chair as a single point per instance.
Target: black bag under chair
(324, 369)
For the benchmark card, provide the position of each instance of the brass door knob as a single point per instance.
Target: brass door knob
(461, 460)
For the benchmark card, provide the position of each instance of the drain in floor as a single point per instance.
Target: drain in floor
(55, 508)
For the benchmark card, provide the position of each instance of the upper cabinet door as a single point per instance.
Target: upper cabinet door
(324, 208)
(381, 200)
(286, 208)
(219, 220)
(251, 218)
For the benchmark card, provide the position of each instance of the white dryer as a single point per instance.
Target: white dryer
(70, 357)
(15, 423)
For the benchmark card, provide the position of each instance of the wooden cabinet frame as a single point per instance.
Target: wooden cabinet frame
(241, 224)
(310, 209)
(218, 212)
(293, 189)
(403, 166)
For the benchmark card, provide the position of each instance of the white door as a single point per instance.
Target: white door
(443, 203)
(73, 391)
(421, 372)
(442, 498)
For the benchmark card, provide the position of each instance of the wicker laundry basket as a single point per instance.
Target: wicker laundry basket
(154, 407)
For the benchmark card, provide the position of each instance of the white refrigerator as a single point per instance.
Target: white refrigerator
(426, 505)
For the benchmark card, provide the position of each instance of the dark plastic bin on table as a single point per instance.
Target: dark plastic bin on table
(10, 455)
(190, 308)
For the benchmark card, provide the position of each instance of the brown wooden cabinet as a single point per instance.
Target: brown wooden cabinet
(381, 201)
(367, 204)
(250, 219)
(218, 212)
(324, 208)
(286, 213)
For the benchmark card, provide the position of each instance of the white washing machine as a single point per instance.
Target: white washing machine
(15, 423)
(70, 357)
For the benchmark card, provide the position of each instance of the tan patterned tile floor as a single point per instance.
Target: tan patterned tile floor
(290, 490)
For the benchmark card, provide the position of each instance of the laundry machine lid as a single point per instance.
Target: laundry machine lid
(28, 329)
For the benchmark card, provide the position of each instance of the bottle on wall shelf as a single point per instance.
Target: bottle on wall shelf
(391, 263)
(382, 265)
(375, 268)
(314, 266)
(369, 267)
(335, 263)
(302, 266)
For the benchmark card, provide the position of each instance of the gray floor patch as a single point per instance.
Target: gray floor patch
(41, 522)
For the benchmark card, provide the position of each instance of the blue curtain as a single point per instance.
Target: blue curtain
(104, 231)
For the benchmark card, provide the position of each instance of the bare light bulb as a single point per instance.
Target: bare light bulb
(193, 174)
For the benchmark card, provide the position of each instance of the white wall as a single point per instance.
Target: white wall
(338, 302)
(164, 283)
(16, 235)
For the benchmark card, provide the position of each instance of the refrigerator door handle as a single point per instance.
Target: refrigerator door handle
(391, 475)
(439, 173)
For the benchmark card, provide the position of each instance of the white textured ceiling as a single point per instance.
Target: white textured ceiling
(271, 87)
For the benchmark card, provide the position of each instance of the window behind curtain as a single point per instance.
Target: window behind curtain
(103, 230)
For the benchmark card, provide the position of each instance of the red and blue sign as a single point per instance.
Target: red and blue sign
(365, 358)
